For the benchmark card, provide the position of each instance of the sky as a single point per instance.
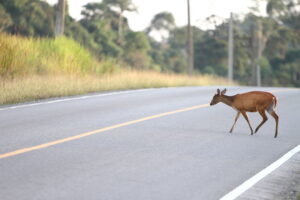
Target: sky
(200, 10)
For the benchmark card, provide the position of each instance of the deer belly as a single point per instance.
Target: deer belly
(251, 110)
(247, 109)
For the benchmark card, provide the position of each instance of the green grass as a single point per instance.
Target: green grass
(32, 69)
(20, 56)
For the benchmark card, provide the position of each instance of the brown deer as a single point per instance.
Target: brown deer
(256, 101)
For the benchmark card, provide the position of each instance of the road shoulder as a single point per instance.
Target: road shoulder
(281, 184)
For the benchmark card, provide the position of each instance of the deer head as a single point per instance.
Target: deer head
(217, 97)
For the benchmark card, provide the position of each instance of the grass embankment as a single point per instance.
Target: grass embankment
(32, 69)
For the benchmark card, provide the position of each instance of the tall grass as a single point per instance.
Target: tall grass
(32, 69)
(20, 56)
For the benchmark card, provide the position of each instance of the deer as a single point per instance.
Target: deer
(254, 101)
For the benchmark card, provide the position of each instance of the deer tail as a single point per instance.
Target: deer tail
(275, 101)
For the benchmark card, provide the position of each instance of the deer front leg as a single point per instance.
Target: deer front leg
(246, 117)
(236, 118)
(265, 118)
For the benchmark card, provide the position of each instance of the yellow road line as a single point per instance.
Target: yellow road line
(76, 137)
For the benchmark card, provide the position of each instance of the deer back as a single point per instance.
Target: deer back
(253, 101)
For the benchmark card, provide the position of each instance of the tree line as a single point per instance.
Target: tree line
(104, 30)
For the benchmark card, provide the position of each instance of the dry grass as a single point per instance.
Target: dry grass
(39, 68)
(36, 87)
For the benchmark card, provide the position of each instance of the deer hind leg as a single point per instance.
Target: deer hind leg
(246, 117)
(273, 114)
(265, 118)
(236, 118)
(271, 111)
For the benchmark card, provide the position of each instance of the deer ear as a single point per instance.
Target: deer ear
(218, 91)
(223, 91)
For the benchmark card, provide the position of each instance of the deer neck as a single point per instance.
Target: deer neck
(228, 100)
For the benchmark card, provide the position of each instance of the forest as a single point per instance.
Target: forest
(105, 32)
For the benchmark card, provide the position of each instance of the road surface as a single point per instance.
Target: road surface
(162, 144)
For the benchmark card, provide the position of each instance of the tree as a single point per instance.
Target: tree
(101, 22)
(27, 17)
(100, 12)
(121, 6)
(285, 40)
(211, 51)
(162, 23)
(6, 20)
(137, 50)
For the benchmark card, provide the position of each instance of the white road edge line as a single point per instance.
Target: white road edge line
(75, 98)
(253, 180)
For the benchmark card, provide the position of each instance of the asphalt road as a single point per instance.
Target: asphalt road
(186, 154)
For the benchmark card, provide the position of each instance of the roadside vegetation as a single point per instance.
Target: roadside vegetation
(104, 30)
(38, 68)
(23, 56)
(101, 52)
(35, 87)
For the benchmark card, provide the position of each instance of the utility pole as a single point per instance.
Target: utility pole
(60, 18)
(253, 51)
(230, 49)
(259, 52)
(256, 50)
(190, 42)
